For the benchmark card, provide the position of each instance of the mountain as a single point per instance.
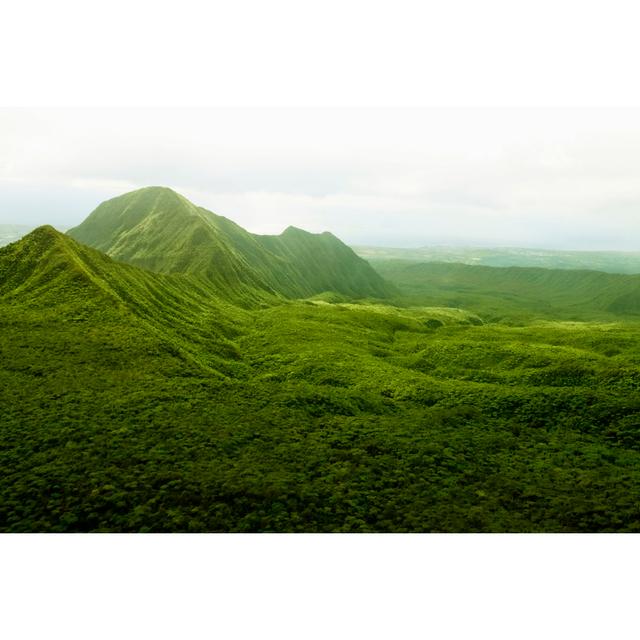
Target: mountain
(160, 230)
(71, 288)
(46, 264)
(323, 263)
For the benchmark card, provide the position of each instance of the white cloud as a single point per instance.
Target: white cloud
(557, 178)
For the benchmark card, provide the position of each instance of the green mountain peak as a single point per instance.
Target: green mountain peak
(43, 261)
(160, 230)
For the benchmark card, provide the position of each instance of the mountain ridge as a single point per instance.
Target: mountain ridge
(65, 281)
(160, 230)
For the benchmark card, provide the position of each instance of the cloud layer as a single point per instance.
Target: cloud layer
(544, 178)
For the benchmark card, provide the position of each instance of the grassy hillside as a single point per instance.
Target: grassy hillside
(321, 261)
(516, 293)
(136, 401)
(157, 229)
(49, 278)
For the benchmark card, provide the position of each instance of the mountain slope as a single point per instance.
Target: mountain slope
(157, 229)
(47, 266)
(323, 263)
(161, 231)
(497, 290)
(51, 277)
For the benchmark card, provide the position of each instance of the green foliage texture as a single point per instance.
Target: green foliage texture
(168, 399)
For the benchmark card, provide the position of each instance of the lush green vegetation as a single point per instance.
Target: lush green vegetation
(137, 401)
(158, 229)
(517, 293)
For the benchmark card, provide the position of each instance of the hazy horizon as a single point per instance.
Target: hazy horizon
(555, 179)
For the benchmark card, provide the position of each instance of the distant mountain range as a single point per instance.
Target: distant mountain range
(610, 261)
(151, 250)
(160, 230)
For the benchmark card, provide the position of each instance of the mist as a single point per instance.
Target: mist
(547, 178)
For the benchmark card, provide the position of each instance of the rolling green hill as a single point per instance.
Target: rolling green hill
(157, 229)
(516, 292)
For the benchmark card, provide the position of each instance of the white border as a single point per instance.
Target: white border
(335, 53)
(319, 586)
(490, 53)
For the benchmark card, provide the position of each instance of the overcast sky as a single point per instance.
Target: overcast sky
(406, 178)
